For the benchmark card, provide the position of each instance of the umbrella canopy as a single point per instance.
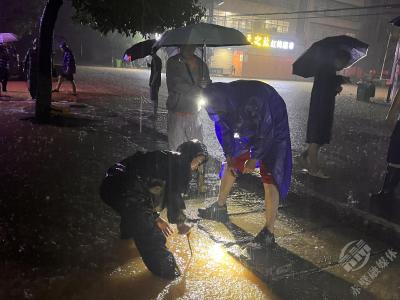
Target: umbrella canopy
(325, 51)
(8, 37)
(139, 50)
(396, 21)
(171, 51)
(201, 34)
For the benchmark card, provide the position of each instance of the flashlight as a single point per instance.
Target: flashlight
(201, 102)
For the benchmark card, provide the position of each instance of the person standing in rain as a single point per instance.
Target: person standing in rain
(68, 68)
(140, 186)
(322, 106)
(4, 65)
(186, 75)
(31, 69)
(155, 80)
(392, 176)
(251, 124)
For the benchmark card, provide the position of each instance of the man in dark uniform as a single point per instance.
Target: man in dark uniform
(140, 186)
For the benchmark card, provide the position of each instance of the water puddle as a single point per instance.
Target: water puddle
(209, 273)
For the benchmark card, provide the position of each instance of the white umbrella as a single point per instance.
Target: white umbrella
(8, 37)
(202, 34)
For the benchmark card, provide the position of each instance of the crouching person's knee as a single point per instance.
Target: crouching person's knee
(162, 263)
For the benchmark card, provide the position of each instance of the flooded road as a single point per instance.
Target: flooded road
(51, 175)
(210, 273)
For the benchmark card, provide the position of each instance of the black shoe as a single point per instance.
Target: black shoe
(264, 239)
(215, 212)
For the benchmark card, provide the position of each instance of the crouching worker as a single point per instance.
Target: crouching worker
(251, 124)
(143, 184)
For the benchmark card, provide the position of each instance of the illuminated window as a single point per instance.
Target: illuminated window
(277, 26)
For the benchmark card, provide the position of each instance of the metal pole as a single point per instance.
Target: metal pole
(384, 58)
(190, 245)
(140, 114)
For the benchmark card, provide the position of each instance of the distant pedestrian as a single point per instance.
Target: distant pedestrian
(322, 106)
(392, 177)
(68, 68)
(155, 80)
(31, 69)
(251, 124)
(143, 184)
(4, 67)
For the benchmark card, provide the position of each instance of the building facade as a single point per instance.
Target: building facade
(279, 31)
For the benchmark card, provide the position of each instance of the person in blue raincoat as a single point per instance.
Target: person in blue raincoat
(251, 124)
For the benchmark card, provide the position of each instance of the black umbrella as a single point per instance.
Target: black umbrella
(396, 21)
(139, 50)
(325, 51)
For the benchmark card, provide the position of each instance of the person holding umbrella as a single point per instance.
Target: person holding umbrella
(251, 124)
(322, 105)
(186, 75)
(321, 61)
(143, 184)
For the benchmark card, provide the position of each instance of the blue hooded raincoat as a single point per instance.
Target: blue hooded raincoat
(251, 115)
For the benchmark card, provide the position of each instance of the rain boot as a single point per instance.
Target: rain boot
(215, 212)
(392, 179)
(265, 239)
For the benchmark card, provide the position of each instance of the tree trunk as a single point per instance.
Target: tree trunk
(48, 20)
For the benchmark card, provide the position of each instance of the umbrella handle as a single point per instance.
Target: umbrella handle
(204, 55)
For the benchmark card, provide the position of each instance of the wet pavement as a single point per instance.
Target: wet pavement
(60, 242)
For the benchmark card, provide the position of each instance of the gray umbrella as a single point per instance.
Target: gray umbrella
(202, 34)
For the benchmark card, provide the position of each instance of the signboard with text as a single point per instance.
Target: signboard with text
(266, 41)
